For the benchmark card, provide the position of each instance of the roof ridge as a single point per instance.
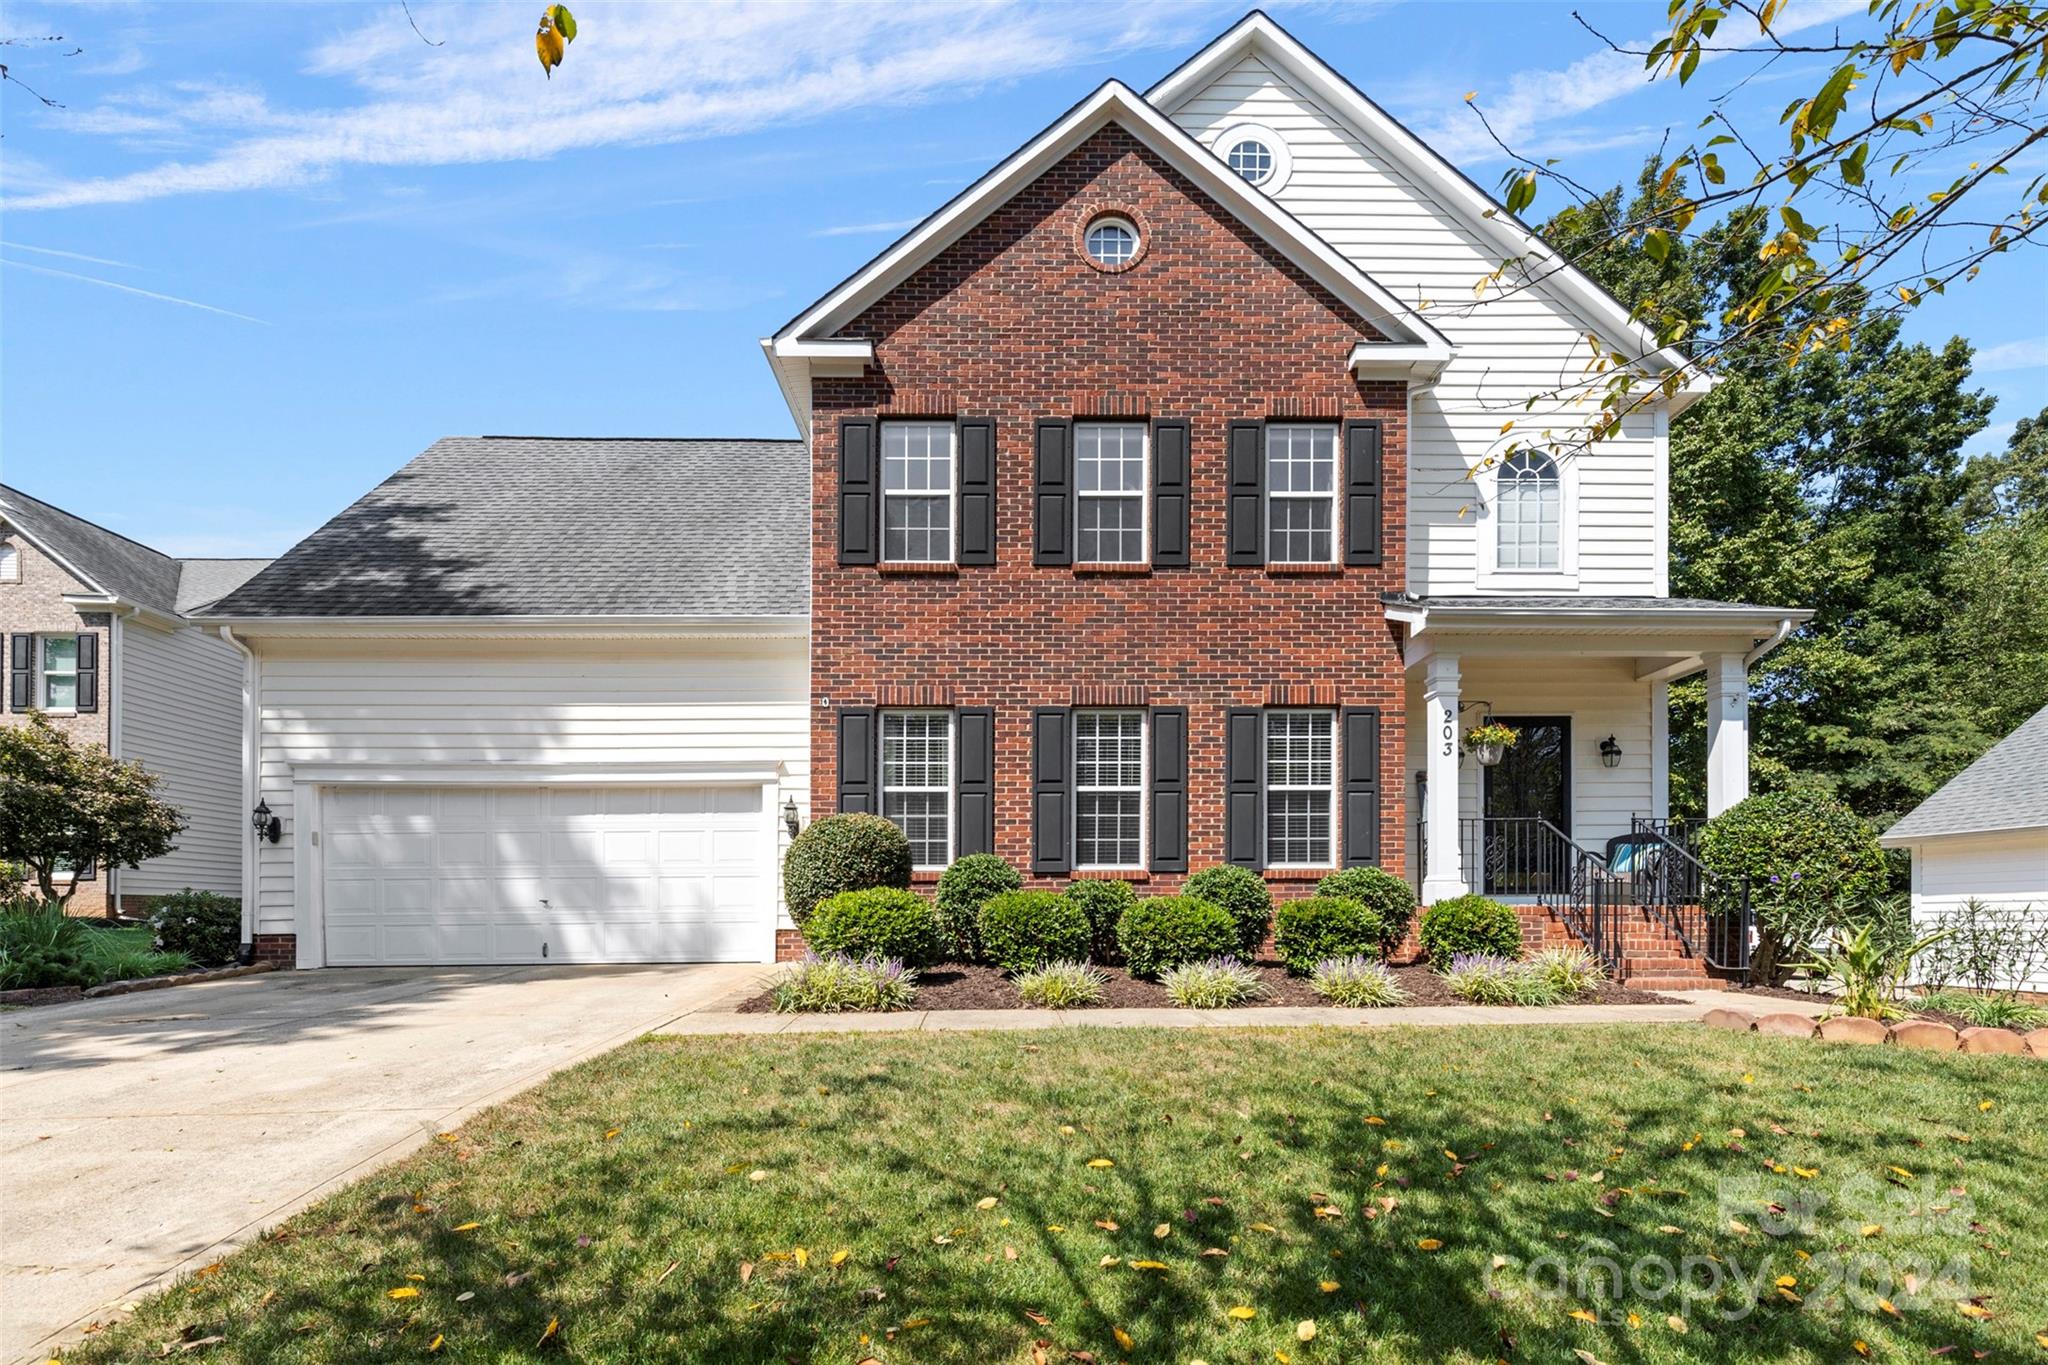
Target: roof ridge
(88, 521)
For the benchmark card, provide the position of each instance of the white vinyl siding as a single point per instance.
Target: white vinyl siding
(2005, 868)
(917, 782)
(1109, 789)
(917, 492)
(1508, 348)
(180, 713)
(416, 703)
(1301, 785)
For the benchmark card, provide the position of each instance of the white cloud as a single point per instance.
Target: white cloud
(131, 289)
(865, 229)
(2026, 354)
(635, 75)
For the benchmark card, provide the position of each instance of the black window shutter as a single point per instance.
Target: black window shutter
(21, 672)
(1361, 786)
(1051, 790)
(975, 791)
(860, 491)
(859, 783)
(1169, 789)
(1243, 822)
(1363, 539)
(1246, 485)
(977, 491)
(88, 673)
(1052, 491)
(1170, 490)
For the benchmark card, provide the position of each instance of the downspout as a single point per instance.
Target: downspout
(1784, 629)
(250, 721)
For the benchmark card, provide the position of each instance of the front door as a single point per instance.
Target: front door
(1532, 782)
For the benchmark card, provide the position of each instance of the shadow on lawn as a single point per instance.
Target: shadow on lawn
(642, 1209)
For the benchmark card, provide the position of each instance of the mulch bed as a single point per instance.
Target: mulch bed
(954, 986)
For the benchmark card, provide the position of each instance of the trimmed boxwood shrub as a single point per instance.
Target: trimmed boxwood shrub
(880, 921)
(1103, 904)
(1386, 895)
(1469, 924)
(964, 888)
(1161, 932)
(1813, 865)
(1024, 930)
(1243, 894)
(841, 853)
(203, 926)
(1317, 928)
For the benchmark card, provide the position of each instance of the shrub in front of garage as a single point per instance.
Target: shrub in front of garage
(881, 921)
(841, 853)
(203, 926)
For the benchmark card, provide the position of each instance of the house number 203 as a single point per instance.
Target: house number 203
(1450, 738)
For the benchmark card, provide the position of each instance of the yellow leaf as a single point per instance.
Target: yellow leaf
(1163, 1230)
(1055, 1227)
(1148, 1265)
(1872, 1229)
(1243, 1314)
(435, 1344)
(1972, 1310)
(465, 1227)
(1805, 1172)
(909, 1323)
(1305, 1330)
(1381, 1170)
(1264, 1227)
(554, 1326)
(1328, 1286)
(1066, 1130)
(757, 1176)
(1101, 1163)
(1749, 1078)
(405, 1292)
(1123, 1338)
(1375, 1120)
(839, 1257)
(1984, 1106)
(1860, 1347)
(1471, 95)
(1669, 1228)
(1583, 1316)
(1887, 1307)
(803, 1257)
(986, 1203)
(1108, 1261)
(2041, 1340)
(1788, 1296)
(611, 1133)
(1635, 1320)
(1429, 1244)
(1677, 1324)
(1787, 1282)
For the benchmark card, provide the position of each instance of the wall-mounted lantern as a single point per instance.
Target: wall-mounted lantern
(791, 820)
(266, 825)
(1610, 752)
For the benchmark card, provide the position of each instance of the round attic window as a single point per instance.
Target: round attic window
(1112, 242)
(1256, 154)
(1252, 159)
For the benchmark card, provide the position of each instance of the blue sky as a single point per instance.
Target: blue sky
(267, 253)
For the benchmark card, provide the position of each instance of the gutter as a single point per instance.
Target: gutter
(786, 626)
(251, 719)
(1784, 629)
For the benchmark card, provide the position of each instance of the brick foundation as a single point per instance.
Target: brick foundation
(789, 945)
(282, 949)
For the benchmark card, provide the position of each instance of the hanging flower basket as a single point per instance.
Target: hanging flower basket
(1489, 743)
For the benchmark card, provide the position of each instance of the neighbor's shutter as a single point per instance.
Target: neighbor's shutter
(1362, 533)
(21, 672)
(859, 783)
(977, 491)
(1245, 481)
(976, 788)
(1242, 826)
(860, 492)
(1052, 491)
(1170, 490)
(1051, 790)
(1169, 789)
(88, 673)
(1361, 786)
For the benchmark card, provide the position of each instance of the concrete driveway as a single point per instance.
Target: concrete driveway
(144, 1135)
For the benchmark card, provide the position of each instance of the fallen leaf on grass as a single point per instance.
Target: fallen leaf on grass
(1305, 1330)
(839, 1257)
(1101, 1163)
(1163, 1230)
(1328, 1286)
(1429, 1244)
(1972, 1310)
(757, 1176)
(1677, 1324)
(1214, 1252)
(668, 1272)
(554, 1326)
(1147, 1265)
(404, 1292)
(465, 1296)
(1244, 1314)
(435, 1344)
(1886, 1307)
(985, 1203)
(1041, 1319)
(1587, 1356)
(1123, 1338)
(1583, 1316)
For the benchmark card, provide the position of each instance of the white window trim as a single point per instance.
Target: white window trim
(1283, 158)
(1267, 787)
(10, 562)
(1113, 220)
(1566, 575)
(952, 496)
(1144, 494)
(1336, 480)
(39, 686)
(1144, 785)
(951, 788)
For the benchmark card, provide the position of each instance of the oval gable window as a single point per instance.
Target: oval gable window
(1252, 159)
(1256, 155)
(1112, 242)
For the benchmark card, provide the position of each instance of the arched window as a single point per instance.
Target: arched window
(1529, 512)
(10, 563)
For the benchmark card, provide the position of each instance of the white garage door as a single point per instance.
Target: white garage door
(510, 874)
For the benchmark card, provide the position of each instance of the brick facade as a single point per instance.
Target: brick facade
(34, 604)
(282, 949)
(1013, 323)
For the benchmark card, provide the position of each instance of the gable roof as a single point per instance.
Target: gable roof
(2005, 789)
(810, 338)
(111, 564)
(1257, 34)
(523, 526)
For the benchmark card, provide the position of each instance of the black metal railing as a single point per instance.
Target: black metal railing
(1712, 916)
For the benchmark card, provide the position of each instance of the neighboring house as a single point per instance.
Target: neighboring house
(1146, 516)
(99, 639)
(1984, 835)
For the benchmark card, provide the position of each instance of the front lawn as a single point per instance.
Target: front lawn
(1229, 1196)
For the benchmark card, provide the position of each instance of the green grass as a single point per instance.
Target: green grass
(125, 938)
(638, 1241)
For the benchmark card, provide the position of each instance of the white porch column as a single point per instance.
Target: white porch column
(1442, 875)
(1727, 731)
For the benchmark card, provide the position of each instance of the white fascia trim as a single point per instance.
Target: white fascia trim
(1113, 102)
(1257, 34)
(487, 627)
(1721, 618)
(14, 520)
(1400, 360)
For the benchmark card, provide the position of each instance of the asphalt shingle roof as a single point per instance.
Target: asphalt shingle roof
(2005, 789)
(543, 526)
(209, 580)
(128, 569)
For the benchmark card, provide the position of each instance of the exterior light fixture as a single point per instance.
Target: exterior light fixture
(266, 825)
(1610, 752)
(792, 821)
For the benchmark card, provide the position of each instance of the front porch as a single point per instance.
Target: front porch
(1572, 823)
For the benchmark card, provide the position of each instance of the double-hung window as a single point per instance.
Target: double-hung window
(1301, 493)
(1109, 789)
(918, 467)
(1300, 788)
(917, 782)
(1109, 487)
(60, 672)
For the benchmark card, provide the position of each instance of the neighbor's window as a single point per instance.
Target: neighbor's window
(917, 492)
(917, 782)
(1109, 782)
(10, 564)
(60, 672)
(1300, 782)
(1301, 494)
(1112, 242)
(1109, 481)
(1251, 159)
(1529, 512)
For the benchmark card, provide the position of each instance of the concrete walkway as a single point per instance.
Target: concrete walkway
(1691, 1006)
(146, 1135)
